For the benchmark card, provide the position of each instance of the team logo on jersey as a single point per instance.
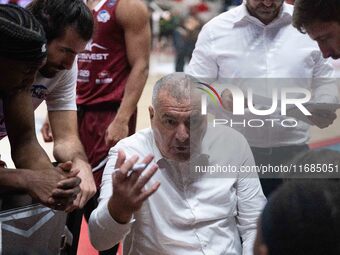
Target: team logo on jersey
(103, 16)
(111, 3)
(39, 91)
(90, 45)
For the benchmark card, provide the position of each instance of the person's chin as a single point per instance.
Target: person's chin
(182, 156)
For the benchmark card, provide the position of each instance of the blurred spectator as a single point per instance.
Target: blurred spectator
(185, 37)
(167, 25)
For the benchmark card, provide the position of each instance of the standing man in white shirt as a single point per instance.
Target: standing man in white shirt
(177, 210)
(254, 46)
(321, 21)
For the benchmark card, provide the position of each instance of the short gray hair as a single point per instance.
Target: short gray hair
(178, 85)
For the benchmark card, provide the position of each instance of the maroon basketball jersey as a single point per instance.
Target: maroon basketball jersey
(103, 67)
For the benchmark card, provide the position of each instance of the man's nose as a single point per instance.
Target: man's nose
(182, 133)
(325, 50)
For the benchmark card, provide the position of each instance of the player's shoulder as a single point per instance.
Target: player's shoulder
(131, 7)
(132, 12)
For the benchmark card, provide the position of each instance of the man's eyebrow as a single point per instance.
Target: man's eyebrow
(167, 115)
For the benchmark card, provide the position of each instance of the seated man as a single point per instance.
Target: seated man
(191, 212)
(301, 217)
(22, 52)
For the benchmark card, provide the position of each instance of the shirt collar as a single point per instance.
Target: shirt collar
(243, 15)
(156, 153)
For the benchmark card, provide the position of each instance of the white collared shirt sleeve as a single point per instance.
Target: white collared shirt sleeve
(203, 64)
(250, 202)
(104, 231)
(324, 83)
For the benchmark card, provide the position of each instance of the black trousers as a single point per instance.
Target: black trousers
(275, 156)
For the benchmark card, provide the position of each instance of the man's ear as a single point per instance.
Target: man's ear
(151, 112)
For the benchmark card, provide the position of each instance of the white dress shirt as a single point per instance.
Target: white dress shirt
(237, 48)
(190, 213)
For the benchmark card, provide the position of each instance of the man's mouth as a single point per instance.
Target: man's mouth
(182, 148)
(266, 11)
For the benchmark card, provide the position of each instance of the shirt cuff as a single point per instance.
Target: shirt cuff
(106, 221)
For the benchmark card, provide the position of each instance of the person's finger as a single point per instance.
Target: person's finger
(66, 166)
(118, 177)
(71, 174)
(65, 194)
(46, 133)
(136, 173)
(109, 141)
(59, 207)
(147, 160)
(148, 193)
(145, 177)
(50, 201)
(62, 204)
(128, 164)
(69, 183)
(76, 202)
(66, 205)
(320, 121)
(120, 159)
(83, 200)
(70, 208)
